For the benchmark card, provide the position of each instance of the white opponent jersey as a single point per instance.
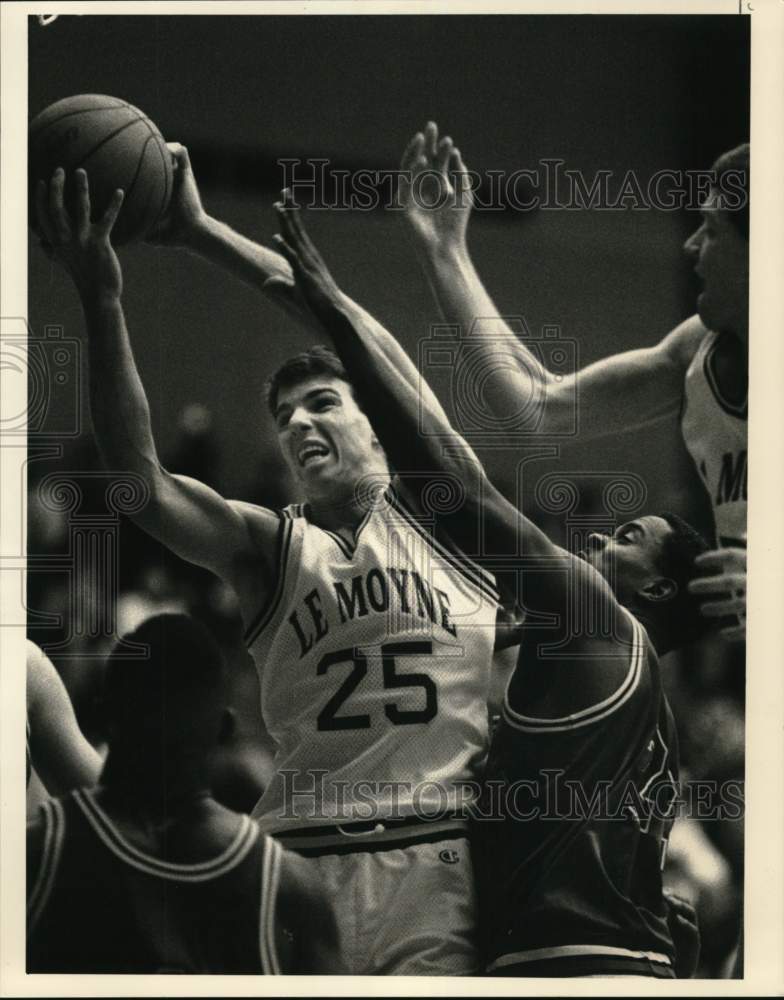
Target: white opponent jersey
(715, 432)
(374, 663)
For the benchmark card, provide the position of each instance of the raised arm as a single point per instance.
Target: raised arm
(185, 515)
(628, 390)
(420, 439)
(588, 666)
(189, 226)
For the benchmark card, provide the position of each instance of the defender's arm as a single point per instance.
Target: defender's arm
(626, 390)
(413, 434)
(190, 226)
(414, 437)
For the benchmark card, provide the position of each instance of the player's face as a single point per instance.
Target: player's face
(721, 260)
(326, 439)
(629, 558)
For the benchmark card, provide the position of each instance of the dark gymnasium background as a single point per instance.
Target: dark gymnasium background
(617, 93)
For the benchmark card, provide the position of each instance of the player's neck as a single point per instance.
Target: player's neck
(657, 631)
(155, 791)
(341, 514)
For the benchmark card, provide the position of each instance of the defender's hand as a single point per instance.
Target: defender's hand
(83, 247)
(185, 214)
(435, 190)
(312, 277)
(724, 590)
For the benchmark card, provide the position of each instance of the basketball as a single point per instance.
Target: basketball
(117, 145)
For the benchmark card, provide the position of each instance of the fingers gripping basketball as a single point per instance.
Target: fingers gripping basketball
(118, 147)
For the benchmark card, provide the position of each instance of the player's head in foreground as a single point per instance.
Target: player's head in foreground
(720, 246)
(325, 437)
(166, 713)
(648, 563)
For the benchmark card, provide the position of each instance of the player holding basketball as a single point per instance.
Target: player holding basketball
(373, 641)
(698, 371)
(567, 890)
(147, 872)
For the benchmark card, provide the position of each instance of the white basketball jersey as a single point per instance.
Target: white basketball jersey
(374, 663)
(715, 432)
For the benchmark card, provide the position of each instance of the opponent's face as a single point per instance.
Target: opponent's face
(630, 558)
(721, 260)
(326, 439)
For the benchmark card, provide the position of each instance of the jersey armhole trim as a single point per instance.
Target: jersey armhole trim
(739, 411)
(54, 836)
(264, 616)
(203, 871)
(594, 713)
(270, 882)
(468, 569)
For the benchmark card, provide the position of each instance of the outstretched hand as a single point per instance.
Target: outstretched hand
(311, 275)
(723, 590)
(185, 214)
(435, 190)
(82, 246)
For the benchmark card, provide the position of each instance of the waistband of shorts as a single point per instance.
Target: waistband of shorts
(582, 960)
(371, 835)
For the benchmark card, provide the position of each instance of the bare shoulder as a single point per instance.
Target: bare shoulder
(254, 570)
(41, 675)
(36, 658)
(590, 670)
(262, 523)
(682, 343)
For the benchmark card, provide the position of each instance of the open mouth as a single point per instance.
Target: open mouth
(311, 453)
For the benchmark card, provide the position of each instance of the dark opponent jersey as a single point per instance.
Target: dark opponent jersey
(98, 904)
(570, 876)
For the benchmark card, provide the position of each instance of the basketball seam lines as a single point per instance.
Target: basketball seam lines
(155, 134)
(130, 187)
(82, 111)
(106, 139)
(165, 201)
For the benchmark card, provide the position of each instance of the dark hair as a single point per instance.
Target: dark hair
(318, 360)
(676, 562)
(175, 689)
(736, 162)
